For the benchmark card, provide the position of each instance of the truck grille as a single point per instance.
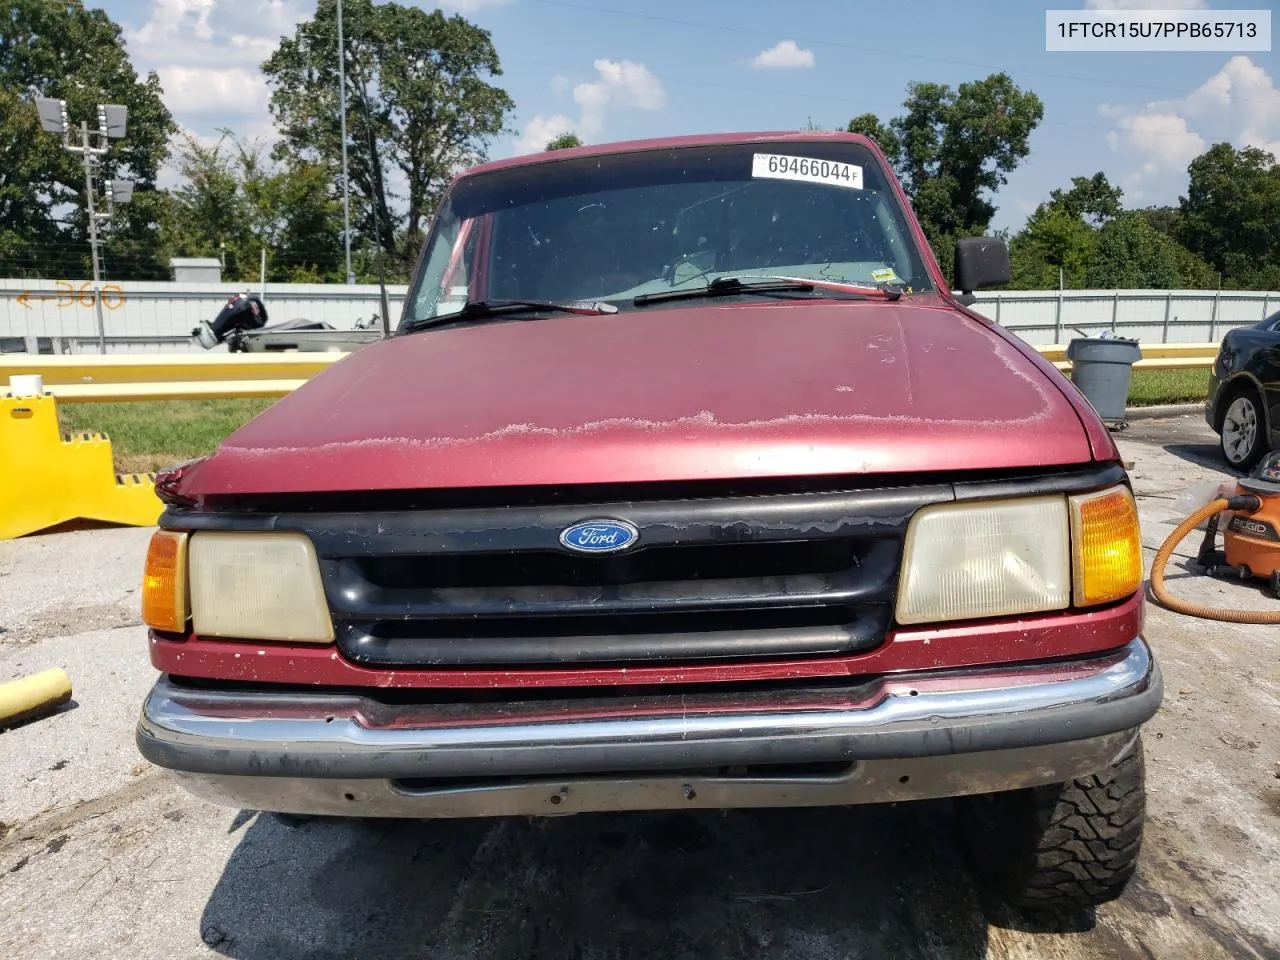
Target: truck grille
(789, 575)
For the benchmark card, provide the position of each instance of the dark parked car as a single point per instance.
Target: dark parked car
(1244, 393)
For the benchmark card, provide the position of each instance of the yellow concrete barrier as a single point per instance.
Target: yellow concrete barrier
(46, 479)
(33, 696)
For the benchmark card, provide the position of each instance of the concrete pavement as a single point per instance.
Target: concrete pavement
(101, 856)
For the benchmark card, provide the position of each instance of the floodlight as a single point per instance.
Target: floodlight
(121, 191)
(115, 119)
(53, 114)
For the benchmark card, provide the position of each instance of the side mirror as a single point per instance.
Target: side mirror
(980, 262)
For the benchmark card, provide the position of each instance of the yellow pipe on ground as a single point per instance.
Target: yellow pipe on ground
(33, 696)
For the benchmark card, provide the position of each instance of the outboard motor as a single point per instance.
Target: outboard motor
(242, 312)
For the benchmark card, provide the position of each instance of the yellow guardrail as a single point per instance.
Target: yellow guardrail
(1155, 356)
(88, 379)
(83, 377)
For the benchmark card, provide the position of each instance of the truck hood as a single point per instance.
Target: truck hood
(712, 391)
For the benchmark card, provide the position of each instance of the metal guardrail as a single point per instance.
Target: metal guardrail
(81, 378)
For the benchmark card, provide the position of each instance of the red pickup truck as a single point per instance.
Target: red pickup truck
(685, 482)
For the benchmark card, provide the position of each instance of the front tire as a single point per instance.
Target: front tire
(1061, 848)
(1243, 433)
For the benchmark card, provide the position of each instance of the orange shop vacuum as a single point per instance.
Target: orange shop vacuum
(1250, 508)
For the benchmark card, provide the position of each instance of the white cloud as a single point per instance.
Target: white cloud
(1243, 99)
(620, 83)
(1239, 104)
(256, 48)
(785, 54)
(541, 130)
(208, 53)
(211, 33)
(470, 6)
(205, 90)
(170, 18)
(1157, 133)
(1146, 4)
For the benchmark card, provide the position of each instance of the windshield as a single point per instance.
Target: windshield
(607, 229)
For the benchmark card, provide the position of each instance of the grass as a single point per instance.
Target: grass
(1151, 387)
(149, 434)
(146, 435)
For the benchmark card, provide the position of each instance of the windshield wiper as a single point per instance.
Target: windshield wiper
(484, 309)
(758, 283)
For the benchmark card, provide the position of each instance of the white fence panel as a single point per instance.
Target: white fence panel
(1152, 316)
(149, 317)
(146, 317)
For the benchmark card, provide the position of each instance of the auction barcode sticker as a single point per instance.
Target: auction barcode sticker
(774, 166)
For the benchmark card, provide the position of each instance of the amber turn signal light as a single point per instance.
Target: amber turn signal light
(164, 582)
(1107, 545)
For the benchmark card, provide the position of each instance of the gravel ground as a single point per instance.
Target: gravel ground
(101, 856)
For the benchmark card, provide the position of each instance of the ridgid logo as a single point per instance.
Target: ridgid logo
(1254, 528)
(599, 536)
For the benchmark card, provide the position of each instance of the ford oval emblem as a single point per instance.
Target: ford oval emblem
(599, 536)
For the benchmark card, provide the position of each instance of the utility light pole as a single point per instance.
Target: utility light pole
(342, 114)
(112, 123)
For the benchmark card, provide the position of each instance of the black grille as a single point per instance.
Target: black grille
(731, 572)
(740, 578)
(693, 562)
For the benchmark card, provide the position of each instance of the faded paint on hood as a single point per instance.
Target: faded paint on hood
(710, 391)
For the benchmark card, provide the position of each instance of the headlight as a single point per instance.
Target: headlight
(1008, 557)
(257, 586)
(988, 559)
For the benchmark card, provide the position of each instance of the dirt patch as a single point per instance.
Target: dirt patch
(54, 825)
(65, 623)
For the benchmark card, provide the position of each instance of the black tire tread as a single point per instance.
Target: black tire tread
(1066, 846)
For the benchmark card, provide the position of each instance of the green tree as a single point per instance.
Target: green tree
(1057, 244)
(565, 141)
(1081, 236)
(1166, 220)
(1093, 199)
(62, 49)
(419, 105)
(1131, 254)
(233, 203)
(869, 125)
(953, 148)
(1230, 216)
(1053, 240)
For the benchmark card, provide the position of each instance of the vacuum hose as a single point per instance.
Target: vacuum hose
(1165, 599)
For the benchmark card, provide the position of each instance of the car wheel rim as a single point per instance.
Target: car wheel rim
(1239, 429)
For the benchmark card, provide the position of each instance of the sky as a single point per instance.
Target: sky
(624, 69)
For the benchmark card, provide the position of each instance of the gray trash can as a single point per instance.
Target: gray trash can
(1101, 367)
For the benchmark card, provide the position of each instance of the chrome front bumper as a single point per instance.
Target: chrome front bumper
(900, 737)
